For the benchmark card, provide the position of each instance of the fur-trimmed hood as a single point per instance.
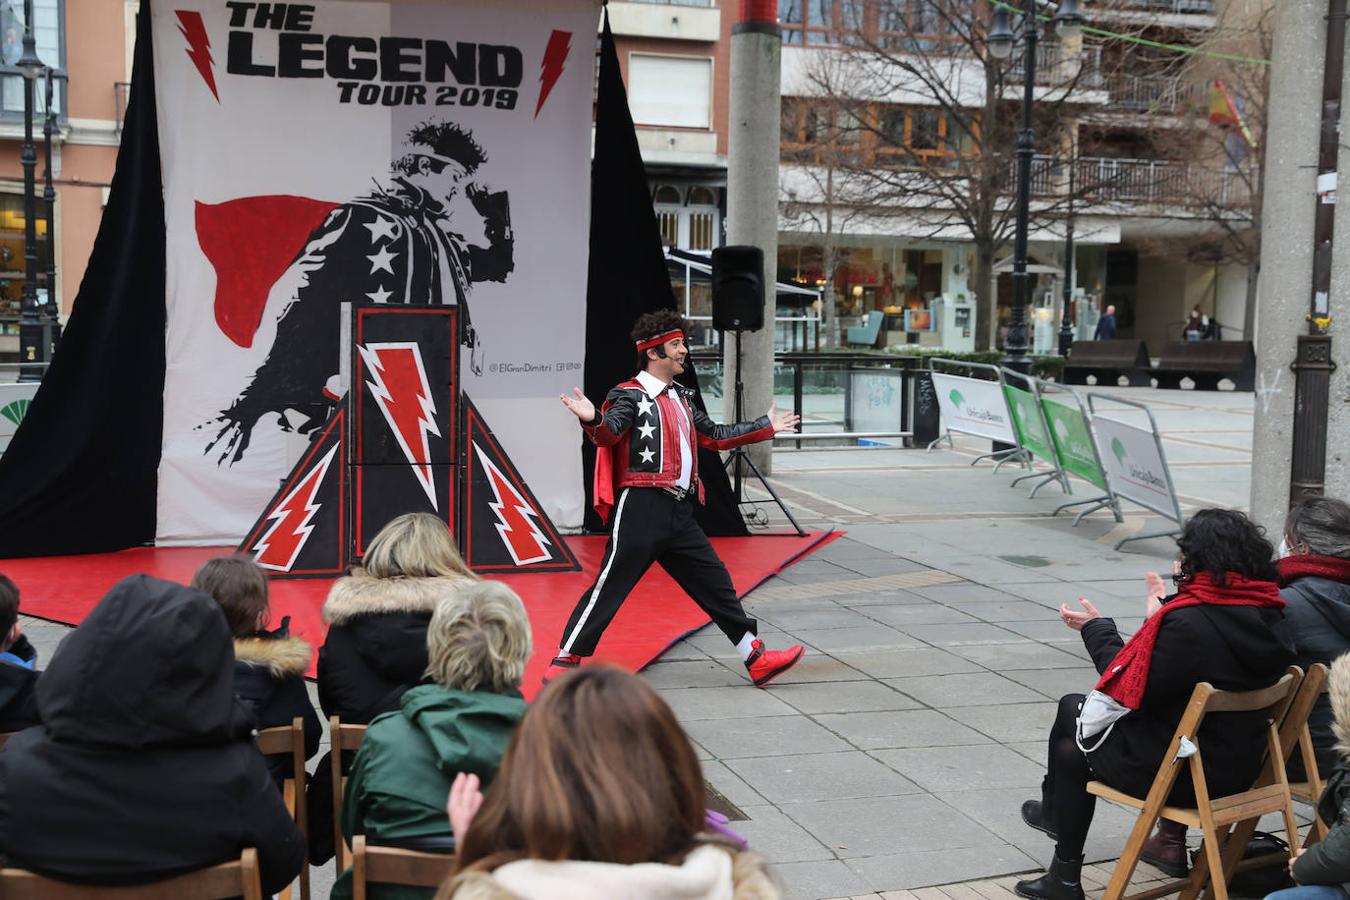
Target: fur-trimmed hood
(281, 656)
(359, 594)
(706, 874)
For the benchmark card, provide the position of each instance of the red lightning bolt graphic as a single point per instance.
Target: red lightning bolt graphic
(282, 543)
(199, 46)
(400, 387)
(516, 517)
(555, 54)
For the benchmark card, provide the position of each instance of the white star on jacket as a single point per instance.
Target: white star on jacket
(380, 295)
(644, 407)
(381, 260)
(646, 431)
(647, 455)
(382, 227)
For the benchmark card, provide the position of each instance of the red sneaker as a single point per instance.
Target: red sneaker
(766, 665)
(560, 665)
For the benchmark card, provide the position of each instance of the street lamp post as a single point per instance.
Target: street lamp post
(34, 330)
(1068, 21)
(49, 211)
(1065, 319)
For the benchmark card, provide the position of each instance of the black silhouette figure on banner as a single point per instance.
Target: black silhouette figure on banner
(426, 237)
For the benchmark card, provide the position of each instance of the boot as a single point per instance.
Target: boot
(1060, 882)
(560, 665)
(1034, 814)
(1166, 850)
(766, 665)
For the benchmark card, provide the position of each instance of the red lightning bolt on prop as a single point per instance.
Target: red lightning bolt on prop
(555, 54)
(400, 388)
(517, 525)
(199, 46)
(283, 542)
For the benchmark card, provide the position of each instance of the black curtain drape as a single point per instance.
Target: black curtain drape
(80, 476)
(627, 277)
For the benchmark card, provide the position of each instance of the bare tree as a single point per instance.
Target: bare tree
(922, 123)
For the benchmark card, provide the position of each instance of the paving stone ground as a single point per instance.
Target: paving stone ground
(896, 756)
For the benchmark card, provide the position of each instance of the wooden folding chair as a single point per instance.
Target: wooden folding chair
(1296, 736)
(341, 738)
(391, 865)
(232, 879)
(1215, 816)
(289, 740)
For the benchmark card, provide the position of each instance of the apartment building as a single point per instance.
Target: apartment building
(88, 43)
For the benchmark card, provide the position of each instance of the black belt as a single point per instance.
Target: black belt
(680, 493)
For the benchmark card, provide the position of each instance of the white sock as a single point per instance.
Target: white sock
(745, 646)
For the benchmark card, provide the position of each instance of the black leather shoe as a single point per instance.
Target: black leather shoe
(1033, 813)
(1060, 882)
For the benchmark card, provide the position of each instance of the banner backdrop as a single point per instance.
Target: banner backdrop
(1134, 465)
(973, 406)
(395, 152)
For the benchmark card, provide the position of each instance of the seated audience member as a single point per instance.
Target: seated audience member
(18, 665)
(269, 666)
(144, 766)
(1323, 870)
(1225, 625)
(1314, 569)
(478, 643)
(600, 794)
(376, 646)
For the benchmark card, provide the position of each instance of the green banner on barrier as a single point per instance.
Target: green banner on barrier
(1073, 441)
(1030, 432)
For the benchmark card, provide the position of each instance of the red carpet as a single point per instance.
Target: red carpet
(65, 588)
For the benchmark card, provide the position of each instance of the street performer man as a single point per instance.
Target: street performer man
(646, 471)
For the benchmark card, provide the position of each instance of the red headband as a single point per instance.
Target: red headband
(660, 339)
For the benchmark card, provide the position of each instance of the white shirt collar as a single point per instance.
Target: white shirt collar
(654, 386)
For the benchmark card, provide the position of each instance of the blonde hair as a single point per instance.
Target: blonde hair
(479, 639)
(1338, 690)
(416, 545)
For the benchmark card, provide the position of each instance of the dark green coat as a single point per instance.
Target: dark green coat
(1328, 861)
(400, 781)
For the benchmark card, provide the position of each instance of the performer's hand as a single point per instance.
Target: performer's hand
(1075, 619)
(582, 408)
(465, 798)
(783, 421)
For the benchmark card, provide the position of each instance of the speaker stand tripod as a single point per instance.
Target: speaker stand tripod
(739, 455)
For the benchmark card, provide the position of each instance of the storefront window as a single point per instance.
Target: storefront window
(12, 260)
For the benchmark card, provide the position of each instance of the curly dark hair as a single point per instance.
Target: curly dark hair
(1219, 541)
(444, 139)
(651, 324)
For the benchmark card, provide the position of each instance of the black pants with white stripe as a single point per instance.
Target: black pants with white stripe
(651, 526)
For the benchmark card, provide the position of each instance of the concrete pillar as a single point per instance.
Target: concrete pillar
(1288, 206)
(752, 192)
(1338, 405)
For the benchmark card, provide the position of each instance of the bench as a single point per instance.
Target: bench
(867, 334)
(1205, 363)
(1107, 361)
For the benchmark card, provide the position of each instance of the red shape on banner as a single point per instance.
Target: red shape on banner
(551, 67)
(515, 518)
(250, 242)
(193, 30)
(279, 547)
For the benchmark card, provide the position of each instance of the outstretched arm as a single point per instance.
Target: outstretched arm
(609, 425)
(724, 437)
(783, 421)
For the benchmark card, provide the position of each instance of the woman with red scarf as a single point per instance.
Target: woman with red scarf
(1314, 568)
(1224, 625)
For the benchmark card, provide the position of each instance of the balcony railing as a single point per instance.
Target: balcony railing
(1138, 181)
(1054, 67)
(1201, 7)
(1158, 93)
(675, 2)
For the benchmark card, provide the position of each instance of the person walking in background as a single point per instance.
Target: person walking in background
(600, 794)
(1106, 325)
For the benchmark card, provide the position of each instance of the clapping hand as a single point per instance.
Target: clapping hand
(465, 798)
(1075, 619)
(1157, 590)
(783, 421)
(582, 408)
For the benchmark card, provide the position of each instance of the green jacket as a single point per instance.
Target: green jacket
(1328, 861)
(400, 780)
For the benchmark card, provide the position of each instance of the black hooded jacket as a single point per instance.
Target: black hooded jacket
(1319, 612)
(18, 689)
(1234, 648)
(269, 677)
(144, 767)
